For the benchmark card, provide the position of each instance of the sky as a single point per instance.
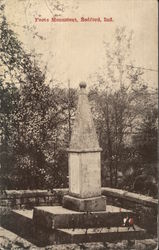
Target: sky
(75, 50)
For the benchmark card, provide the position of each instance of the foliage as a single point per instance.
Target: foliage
(8, 97)
(120, 102)
(39, 132)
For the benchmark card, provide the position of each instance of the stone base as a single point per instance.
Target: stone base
(57, 225)
(85, 205)
(55, 217)
(101, 234)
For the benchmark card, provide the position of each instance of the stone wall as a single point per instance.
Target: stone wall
(145, 207)
(19, 199)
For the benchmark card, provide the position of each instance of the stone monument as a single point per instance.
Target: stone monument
(83, 207)
(84, 161)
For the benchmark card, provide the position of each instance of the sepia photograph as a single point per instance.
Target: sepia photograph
(79, 124)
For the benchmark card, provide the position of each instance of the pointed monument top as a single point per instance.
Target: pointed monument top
(84, 137)
(83, 85)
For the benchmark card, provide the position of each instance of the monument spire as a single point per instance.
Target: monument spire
(84, 137)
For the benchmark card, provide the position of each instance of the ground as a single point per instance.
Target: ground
(11, 241)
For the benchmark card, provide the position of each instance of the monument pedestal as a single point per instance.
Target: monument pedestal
(86, 204)
(56, 217)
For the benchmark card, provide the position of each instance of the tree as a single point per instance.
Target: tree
(8, 97)
(39, 132)
(118, 96)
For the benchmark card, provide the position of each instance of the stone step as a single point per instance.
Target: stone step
(28, 214)
(113, 234)
(23, 217)
(17, 218)
(22, 223)
(55, 217)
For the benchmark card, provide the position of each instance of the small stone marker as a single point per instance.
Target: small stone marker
(84, 161)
